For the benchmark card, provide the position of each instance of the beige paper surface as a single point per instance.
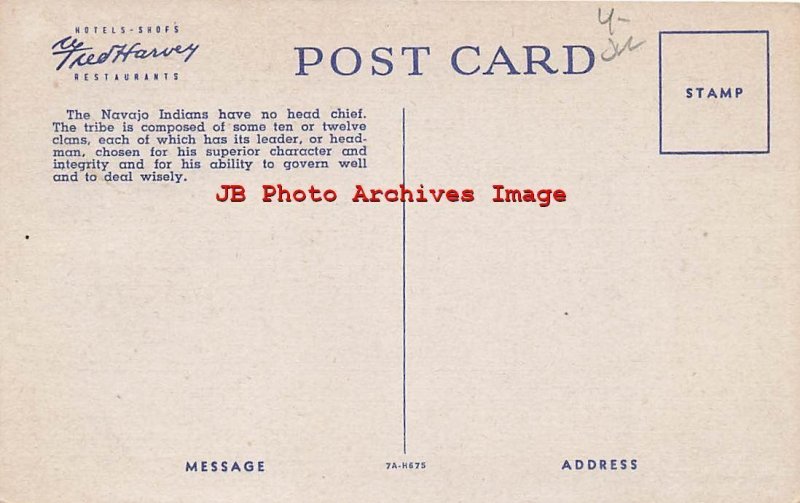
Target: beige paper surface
(631, 334)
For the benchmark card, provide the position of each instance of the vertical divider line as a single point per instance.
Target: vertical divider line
(660, 100)
(404, 284)
(769, 140)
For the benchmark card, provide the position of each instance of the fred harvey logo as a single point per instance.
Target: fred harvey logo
(74, 53)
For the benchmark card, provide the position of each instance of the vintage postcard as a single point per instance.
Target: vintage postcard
(433, 251)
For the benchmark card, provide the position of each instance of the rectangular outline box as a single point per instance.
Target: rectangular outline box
(660, 97)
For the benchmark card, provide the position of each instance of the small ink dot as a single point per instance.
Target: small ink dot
(566, 313)
(27, 237)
